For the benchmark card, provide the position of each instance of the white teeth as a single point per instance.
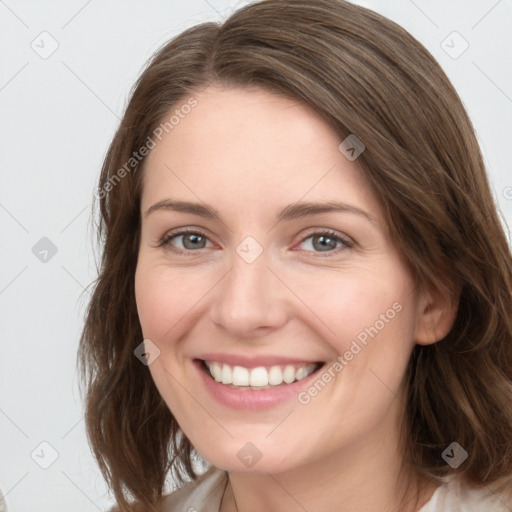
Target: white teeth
(260, 377)
(240, 376)
(275, 376)
(216, 372)
(301, 373)
(227, 375)
(289, 374)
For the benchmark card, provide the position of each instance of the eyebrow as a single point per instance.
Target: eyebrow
(290, 212)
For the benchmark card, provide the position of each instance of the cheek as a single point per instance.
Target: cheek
(368, 318)
(374, 338)
(165, 296)
(347, 302)
(152, 302)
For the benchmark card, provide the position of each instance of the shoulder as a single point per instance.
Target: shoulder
(202, 495)
(454, 495)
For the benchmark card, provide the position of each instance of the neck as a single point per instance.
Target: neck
(369, 477)
(274, 493)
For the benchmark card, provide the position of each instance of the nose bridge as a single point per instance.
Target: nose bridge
(249, 298)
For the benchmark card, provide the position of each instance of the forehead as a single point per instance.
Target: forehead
(253, 147)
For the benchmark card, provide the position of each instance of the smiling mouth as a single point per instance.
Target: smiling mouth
(259, 378)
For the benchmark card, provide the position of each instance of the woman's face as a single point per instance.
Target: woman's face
(285, 264)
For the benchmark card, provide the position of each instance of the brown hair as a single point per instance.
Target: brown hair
(367, 76)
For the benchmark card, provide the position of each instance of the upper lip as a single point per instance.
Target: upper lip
(254, 361)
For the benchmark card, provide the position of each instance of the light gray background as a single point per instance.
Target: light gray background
(58, 115)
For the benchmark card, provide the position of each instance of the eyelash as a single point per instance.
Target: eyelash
(347, 244)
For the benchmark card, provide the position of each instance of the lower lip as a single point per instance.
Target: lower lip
(249, 399)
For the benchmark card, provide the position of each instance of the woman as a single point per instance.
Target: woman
(305, 284)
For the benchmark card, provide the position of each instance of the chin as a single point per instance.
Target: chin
(249, 459)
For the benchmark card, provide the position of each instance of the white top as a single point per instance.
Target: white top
(205, 495)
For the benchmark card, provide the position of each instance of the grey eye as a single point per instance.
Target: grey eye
(192, 241)
(321, 243)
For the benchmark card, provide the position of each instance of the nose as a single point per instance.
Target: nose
(250, 301)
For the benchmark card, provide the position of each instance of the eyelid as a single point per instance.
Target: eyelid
(315, 231)
(346, 240)
(327, 231)
(165, 240)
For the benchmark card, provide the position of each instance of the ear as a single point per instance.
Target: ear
(435, 316)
